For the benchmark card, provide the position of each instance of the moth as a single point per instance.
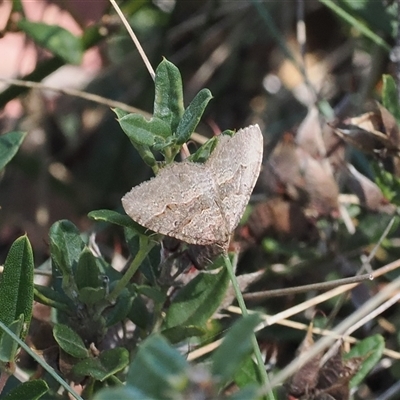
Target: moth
(201, 204)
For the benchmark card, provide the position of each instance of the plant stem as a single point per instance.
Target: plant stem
(134, 38)
(144, 249)
(242, 305)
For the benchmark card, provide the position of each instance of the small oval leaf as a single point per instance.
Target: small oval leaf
(69, 341)
(121, 308)
(198, 300)
(92, 296)
(66, 245)
(31, 390)
(114, 217)
(192, 115)
(141, 131)
(87, 273)
(202, 154)
(168, 99)
(108, 363)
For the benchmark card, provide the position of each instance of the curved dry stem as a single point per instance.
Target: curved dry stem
(281, 317)
(76, 93)
(348, 282)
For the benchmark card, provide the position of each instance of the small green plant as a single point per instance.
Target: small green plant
(92, 299)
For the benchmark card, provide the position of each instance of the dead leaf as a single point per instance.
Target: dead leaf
(306, 378)
(375, 132)
(368, 192)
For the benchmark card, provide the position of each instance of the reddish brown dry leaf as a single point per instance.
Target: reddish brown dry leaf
(321, 187)
(292, 171)
(306, 378)
(390, 125)
(278, 217)
(335, 376)
(282, 174)
(327, 382)
(374, 132)
(335, 147)
(309, 135)
(367, 191)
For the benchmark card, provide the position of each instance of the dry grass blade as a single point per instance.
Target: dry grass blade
(135, 39)
(282, 317)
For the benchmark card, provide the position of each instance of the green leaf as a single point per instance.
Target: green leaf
(202, 154)
(247, 373)
(16, 285)
(87, 273)
(372, 349)
(121, 308)
(122, 393)
(66, 245)
(141, 131)
(235, 347)
(30, 390)
(120, 113)
(198, 300)
(390, 98)
(251, 392)
(48, 296)
(69, 341)
(179, 333)
(143, 150)
(154, 293)
(9, 145)
(168, 99)
(138, 313)
(92, 296)
(8, 346)
(388, 183)
(59, 41)
(114, 217)
(108, 363)
(192, 115)
(158, 369)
